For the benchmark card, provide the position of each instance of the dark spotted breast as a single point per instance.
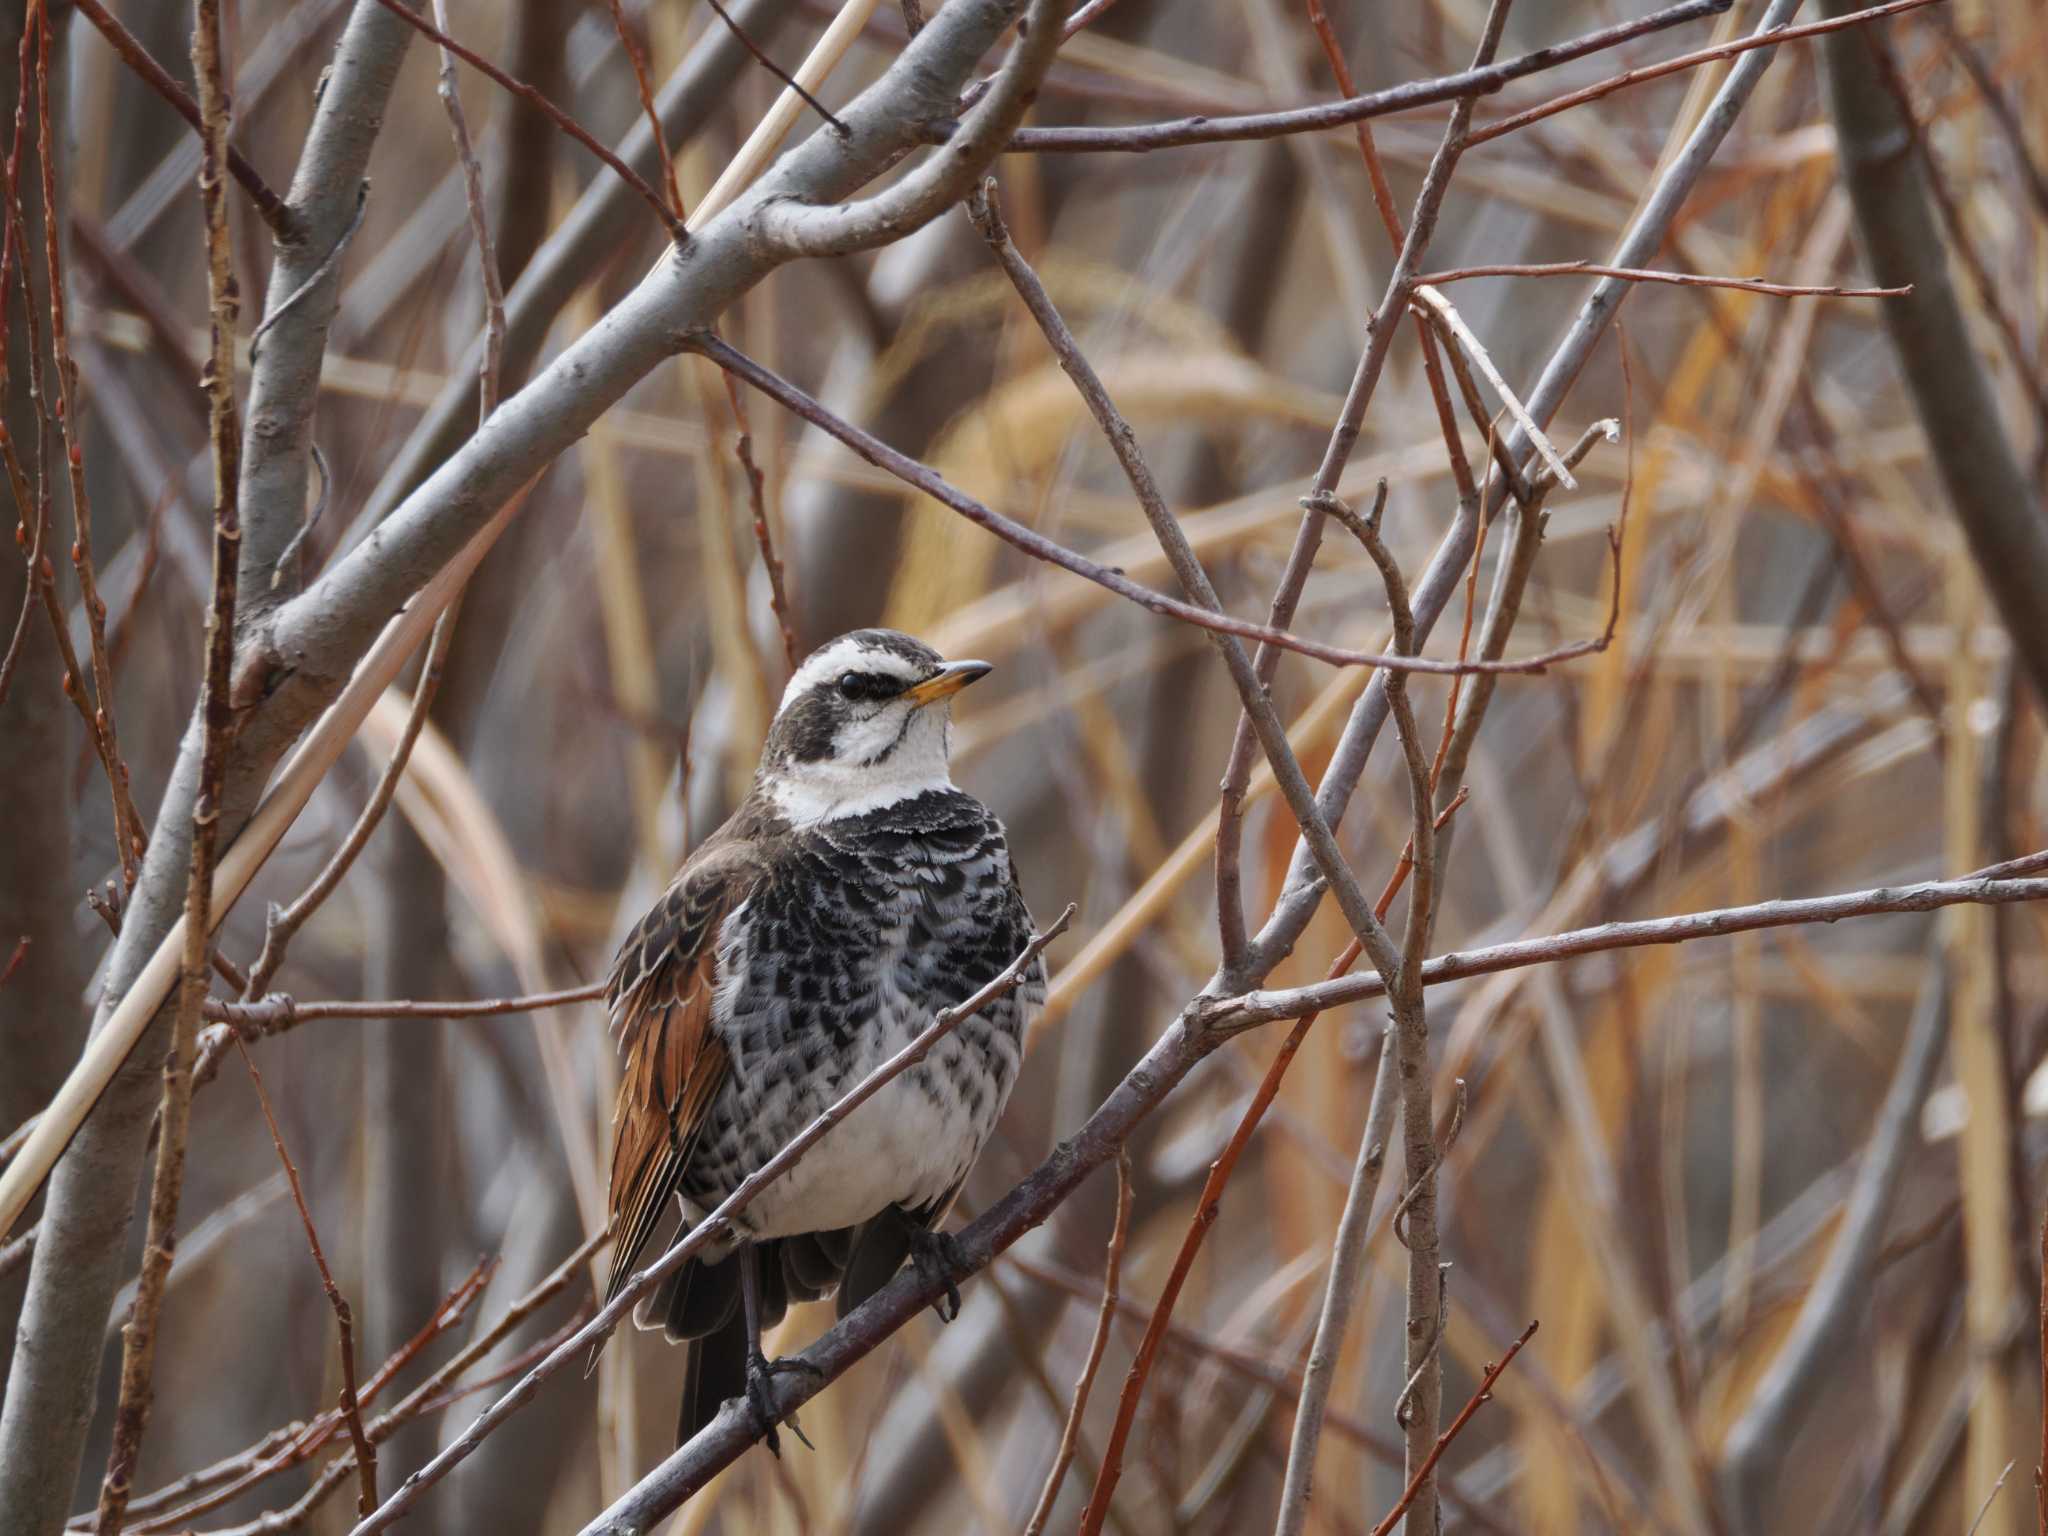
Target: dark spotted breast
(858, 932)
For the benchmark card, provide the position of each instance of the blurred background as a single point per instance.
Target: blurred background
(1808, 692)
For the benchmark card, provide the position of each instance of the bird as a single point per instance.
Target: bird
(854, 893)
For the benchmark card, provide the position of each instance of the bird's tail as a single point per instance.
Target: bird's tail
(717, 1370)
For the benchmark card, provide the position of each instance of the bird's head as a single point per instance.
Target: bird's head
(866, 721)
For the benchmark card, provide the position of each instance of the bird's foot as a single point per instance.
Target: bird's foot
(938, 1256)
(761, 1374)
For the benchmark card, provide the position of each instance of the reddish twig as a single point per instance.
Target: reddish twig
(275, 211)
(538, 1350)
(1685, 61)
(757, 501)
(21, 949)
(777, 70)
(128, 833)
(639, 62)
(216, 718)
(1112, 1269)
(344, 1320)
(540, 103)
(1443, 1441)
(1645, 275)
(1466, 85)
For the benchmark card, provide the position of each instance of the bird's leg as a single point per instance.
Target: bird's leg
(937, 1256)
(761, 1371)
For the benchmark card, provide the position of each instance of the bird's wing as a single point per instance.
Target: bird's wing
(660, 1000)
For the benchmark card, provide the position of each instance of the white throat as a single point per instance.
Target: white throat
(809, 793)
(827, 790)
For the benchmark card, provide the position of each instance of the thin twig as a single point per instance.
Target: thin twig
(1989, 1499)
(415, 1403)
(276, 213)
(227, 1479)
(1482, 1395)
(1035, 544)
(1251, 1008)
(639, 63)
(1206, 1210)
(279, 1012)
(217, 721)
(128, 833)
(547, 108)
(1769, 38)
(1647, 275)
(491, 365)
(317, 276)
(1466, 85)
(1457, 331)
(764, 538)
(1340, 1289)
(1082, 16)
(788, 80)
(344, 1321)
(1112, 1269)
(283, 923)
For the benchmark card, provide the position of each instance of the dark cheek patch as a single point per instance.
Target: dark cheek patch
(807, 728)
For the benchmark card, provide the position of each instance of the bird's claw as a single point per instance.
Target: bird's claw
(761, 1373)
(938, 1257)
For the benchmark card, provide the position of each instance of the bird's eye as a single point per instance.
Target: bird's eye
(852, 685)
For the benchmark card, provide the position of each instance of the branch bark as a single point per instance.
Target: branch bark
(2000, 512)
(1753, 1452)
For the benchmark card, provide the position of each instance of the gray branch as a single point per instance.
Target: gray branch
(1755, 1448)
(2000, 513)
(284, 384)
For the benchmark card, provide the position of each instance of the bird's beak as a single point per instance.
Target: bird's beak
(947, 681)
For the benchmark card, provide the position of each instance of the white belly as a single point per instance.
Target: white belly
(903, 1146)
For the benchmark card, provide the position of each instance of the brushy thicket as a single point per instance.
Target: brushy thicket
(1670, 1157)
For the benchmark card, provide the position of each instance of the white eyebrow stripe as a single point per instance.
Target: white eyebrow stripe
(847, 651)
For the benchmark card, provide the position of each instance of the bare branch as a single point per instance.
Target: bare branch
(1070, 1435)
(796, 228)
(351, 1408)
(1834, 1304)
(1646, 275)
(217, 727)
(1466, 85)
(1768, 36)
(1236, 1013)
